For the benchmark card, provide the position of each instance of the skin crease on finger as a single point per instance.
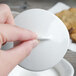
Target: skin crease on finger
(9, 32)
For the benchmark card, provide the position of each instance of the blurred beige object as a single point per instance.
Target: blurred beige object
(72, 10)
(69, 19)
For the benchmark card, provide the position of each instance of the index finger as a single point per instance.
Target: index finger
(13, 33)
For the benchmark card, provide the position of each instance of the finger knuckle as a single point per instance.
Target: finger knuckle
(5, 6)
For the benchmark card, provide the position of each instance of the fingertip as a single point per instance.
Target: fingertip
(35, 43)
(34, 35)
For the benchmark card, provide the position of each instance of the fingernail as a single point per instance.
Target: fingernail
(35, 43)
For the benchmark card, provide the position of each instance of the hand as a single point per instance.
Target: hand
(9, 32)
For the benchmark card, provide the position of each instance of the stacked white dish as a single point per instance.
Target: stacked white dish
(63, 68)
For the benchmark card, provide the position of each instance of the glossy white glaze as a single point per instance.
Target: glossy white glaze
(49, 52)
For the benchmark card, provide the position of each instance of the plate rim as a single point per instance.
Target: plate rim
(63, 7)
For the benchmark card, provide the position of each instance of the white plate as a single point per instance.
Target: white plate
(57, 8)
(63, 68)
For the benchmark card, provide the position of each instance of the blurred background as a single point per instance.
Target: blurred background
(20, 5)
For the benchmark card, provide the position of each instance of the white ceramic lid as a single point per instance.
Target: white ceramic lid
(49, 52)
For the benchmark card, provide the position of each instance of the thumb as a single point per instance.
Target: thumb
(14, 56)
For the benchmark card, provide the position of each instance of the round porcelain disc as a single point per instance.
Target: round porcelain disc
(49, 52)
